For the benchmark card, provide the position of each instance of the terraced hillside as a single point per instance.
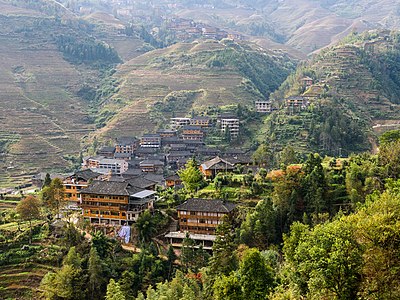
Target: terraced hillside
(201, 74)
(355, 89)
(306, 25)
(42, 117)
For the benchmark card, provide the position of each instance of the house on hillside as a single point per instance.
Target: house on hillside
(306, 81)
(107, 152)
(126, 145)
(177, 122)
(152, 166)
(77, 181)
(150, 141)
(203, 122)
(192, 133)
(114, 203)
(173, 181)
(263, 106)
(231, 124)
(199, 218)
(214, 166)
(104, 165)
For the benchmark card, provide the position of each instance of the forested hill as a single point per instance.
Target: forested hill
(355, 94)
(188, 77)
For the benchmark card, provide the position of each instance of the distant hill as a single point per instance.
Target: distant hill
(355, 95)
(307, 25)
(201, 74)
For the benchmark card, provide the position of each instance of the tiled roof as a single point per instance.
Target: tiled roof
(140, 182)
(196, 204)
(110, 188)
(86, 174)
(216, 160)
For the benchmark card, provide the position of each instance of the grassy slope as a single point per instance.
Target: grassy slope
(148, 79)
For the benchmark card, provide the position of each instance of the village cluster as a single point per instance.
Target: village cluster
(118, 184)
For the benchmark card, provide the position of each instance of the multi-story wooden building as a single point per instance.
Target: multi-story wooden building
(114, 203)
(126, 145)
(203, 122)
(77, 181)
(193, 133)
(179, 122)
(232, 124)
(150, 141)
(199, 218)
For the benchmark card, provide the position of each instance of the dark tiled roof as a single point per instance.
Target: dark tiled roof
(110, 188)
(86, 174)
(180, 153)
(192, 128)
(174, 177)
(151, 135)
(151, 162)
(106, 150)
(206, 205)
(126, 140)
(140, 182)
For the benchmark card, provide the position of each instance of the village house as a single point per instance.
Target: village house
(77, 181)
(114, 203)
(150, 141)
(192, 133)
(174, 156)
(306, 81)
(166, 133)
(296, 103)
(203, 122)
(124, 156)
(152, 166)
(263, 106)
(177, 123)
(173, 181)
(214, 166)
(107, 152)
(126, 145)
(104, 165)
(199, 218)
(232, 124)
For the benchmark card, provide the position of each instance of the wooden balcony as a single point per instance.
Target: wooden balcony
(107, 200)
(96, 207)
(195, 224)
(102, 216)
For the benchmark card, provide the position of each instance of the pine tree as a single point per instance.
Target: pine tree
(95, 274)
(114, 291)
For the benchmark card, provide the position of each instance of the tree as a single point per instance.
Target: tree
(95, 273)
(47, 180)
(146, 227)
(262, 156)
(68, 282)
(256, 277)
(53, 196)
(287, 156)
(228, 288)
(191, 176)
(28, 210)
(114, 291)
(171, 257)
(224, 259)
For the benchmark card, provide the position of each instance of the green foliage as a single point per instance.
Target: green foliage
(389, 137)
(68, 282)
(86, 51)
(114, 291)
(191, 176)
(53, 196)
